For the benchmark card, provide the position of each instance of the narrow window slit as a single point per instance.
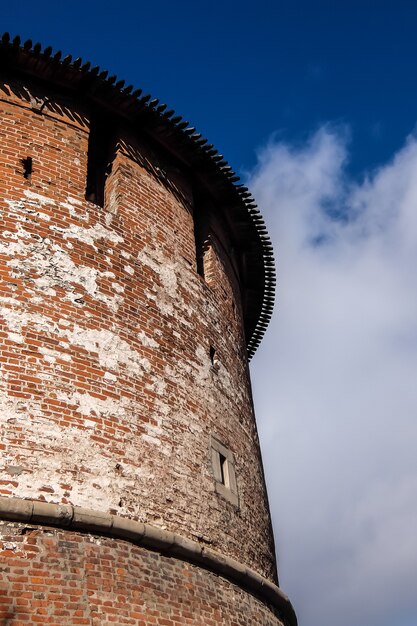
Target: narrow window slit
(201, 249)
(224, 470)
(27, 167)
(214, 360)
(100, 156)
(201, 238)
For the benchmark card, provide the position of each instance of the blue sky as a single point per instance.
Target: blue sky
(243, 70)
(315, 104)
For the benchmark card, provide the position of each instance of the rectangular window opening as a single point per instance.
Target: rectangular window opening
(99, 159)
(224, 472)
(224, 469)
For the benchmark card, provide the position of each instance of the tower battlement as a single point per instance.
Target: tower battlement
(136, 280)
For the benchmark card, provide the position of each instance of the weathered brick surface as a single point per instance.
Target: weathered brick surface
(108, 394)
(62, 578)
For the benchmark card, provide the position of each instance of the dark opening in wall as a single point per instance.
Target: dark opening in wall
(27, 167)
(215, 364)
(224, 472)
(201, 237)
(200, 259)
(101, 149)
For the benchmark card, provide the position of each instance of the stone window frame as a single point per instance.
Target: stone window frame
(224, 472)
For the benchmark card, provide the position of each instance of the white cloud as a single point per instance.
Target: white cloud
(336, 381)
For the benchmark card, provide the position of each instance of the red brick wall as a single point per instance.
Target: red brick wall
(61, 578)
(108, 397)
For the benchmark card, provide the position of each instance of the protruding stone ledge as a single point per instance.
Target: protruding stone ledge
(88, 520)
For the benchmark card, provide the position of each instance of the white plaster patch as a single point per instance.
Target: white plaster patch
(52, 262)
(159, 386)
(146, 258)
(13, 321)
(112, 206)
(111, 350)
(155, 441)
(169, 279)
(72, 200)
(16, 319)
(86, 404)
(146, 340)
(46, 376)
(109, 376)
(57, 269)
(90, 423)
(38, 198)
(25, 210)
(16, 409)
(16, 337)
(167, 297)
(98, 486)
(51, 355)
(18, 234)
(71, 205)
(88, 235)
(118, 288)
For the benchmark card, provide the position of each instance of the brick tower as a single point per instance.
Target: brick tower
(136, 279)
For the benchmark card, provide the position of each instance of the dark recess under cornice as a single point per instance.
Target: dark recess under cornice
(211, 170)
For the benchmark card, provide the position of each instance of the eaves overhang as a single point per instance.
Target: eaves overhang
(190, 148)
